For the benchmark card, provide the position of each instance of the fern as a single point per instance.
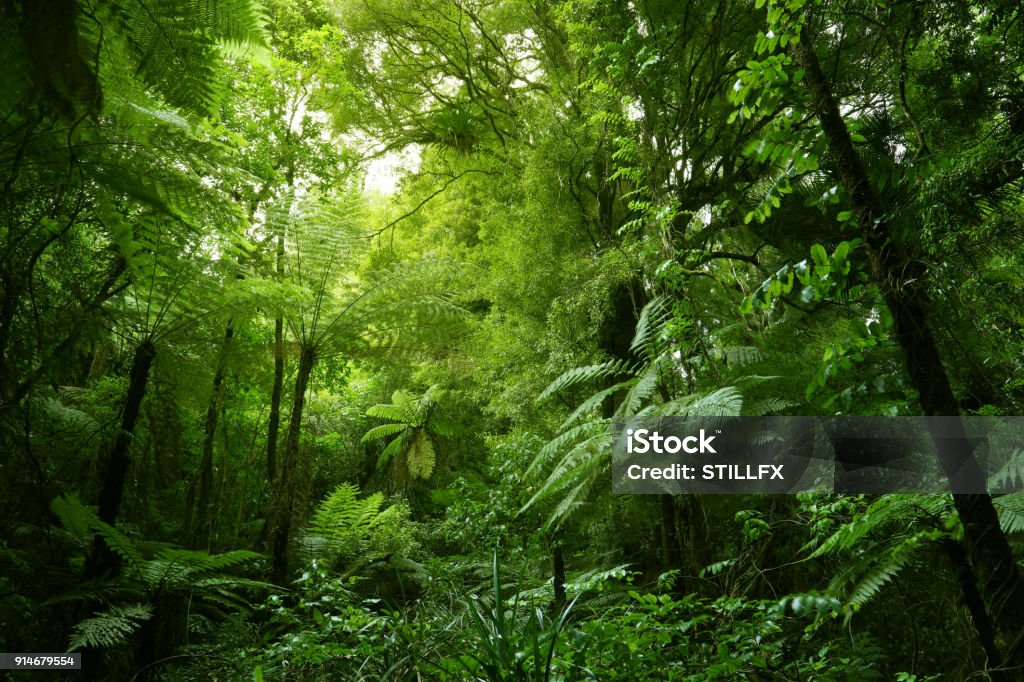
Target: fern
(173, 573)
(420, 457)
(582, 375)
(881, 541)
(767, 406)
(580, 455)
(174, 568)
(342, 513)
(894, 510)
(725, 402)
(384, 430)
(653, 318)
(1011, 474)
(342, 524)
(84, 523)
(160, 39)
(110, 628)
(742, 355)
(415, 424)
(593, 402)
(1011, 512)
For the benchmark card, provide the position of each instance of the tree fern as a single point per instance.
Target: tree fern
(171, 573)
(580, 454)
(416, 423)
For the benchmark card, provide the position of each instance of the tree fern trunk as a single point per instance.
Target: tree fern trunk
(671, 546)
(558, 574)
(117, 468)
(283, 504)
(274, 423)
(199, 533)
(103, 560)
(987, 548)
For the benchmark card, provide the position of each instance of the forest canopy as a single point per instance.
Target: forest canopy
(317, 318)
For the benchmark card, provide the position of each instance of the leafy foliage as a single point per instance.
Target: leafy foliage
(110, 628)
(415, 423)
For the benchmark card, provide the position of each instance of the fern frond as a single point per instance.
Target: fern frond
(392, 450)
(383, 431)
(897, 510)
(652, 321)
(81, 520)
(407, 406)
(1011, 512)
(725, 402)
(870, 575)
(343, 523)
(73, 515)
(872, 582)
(592, 403)
(391, 412)
(767, 406)
(421, 457)
(641, 389)
(110, 628)
(564, 440)
(580, 375)
(737, 356)
(1011, 474)
(579, 464)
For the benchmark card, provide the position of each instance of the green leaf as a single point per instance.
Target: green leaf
(819, 254)
(383, 431)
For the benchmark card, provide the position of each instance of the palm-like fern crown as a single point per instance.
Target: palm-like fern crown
(579, 456)
(414, 423)
(337, 314)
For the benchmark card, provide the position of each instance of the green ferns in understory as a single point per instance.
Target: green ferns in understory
(150, 574)
(571, 463)
(330, 632)
(110, 628)
(895, 533)
(346, 529)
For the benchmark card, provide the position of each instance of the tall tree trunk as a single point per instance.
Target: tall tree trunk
(558, 574)
(117, 468)
(198, 534)
(987, 548)
(670, 534)
(275, 395)
(103, 560)
(283, 504)
(973, 600)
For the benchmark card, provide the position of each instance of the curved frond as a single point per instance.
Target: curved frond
(421, 457)
(580, 375)
(383, 431)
